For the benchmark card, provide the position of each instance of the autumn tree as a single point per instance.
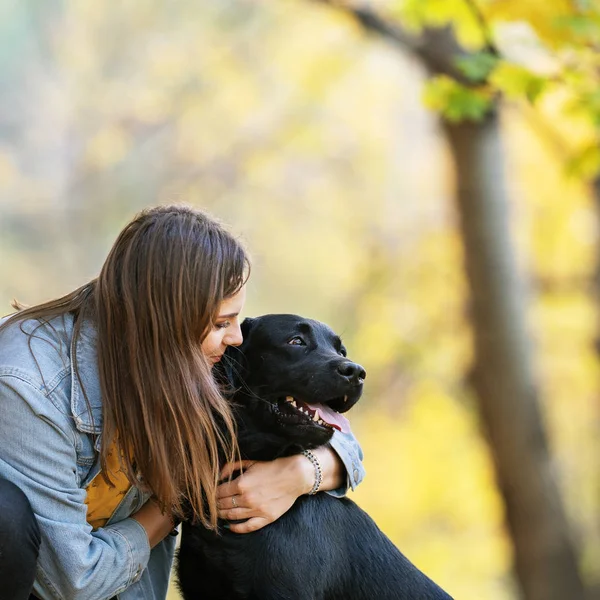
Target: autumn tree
(464, 46)
(251, 110)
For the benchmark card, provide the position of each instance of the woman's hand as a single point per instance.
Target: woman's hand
(156, 523)
(266, 490)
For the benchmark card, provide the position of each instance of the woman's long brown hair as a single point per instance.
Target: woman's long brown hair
(153, 303)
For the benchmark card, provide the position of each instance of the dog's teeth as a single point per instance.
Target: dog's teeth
(291, 400)
(345, 398)
(316, 417)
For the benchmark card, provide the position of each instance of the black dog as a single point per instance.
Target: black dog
(293, 380)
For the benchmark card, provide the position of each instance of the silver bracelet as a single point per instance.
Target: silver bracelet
(318, 473)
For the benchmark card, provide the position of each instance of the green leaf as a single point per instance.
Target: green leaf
(477, 67)
(457, 102)
(584, 27)
(515, 81)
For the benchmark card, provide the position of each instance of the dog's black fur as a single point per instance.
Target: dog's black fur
(323, 548)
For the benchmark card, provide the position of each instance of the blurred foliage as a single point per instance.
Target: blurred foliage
(312, 142)
(522, 51)
(457, 102)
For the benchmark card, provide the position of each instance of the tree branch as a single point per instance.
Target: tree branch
(437, 49)
(486, 32)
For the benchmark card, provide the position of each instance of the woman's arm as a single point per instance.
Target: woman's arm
(266, 490)
(157, 525)
(38, 453)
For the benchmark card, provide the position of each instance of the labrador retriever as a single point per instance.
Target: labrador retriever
(292, 381)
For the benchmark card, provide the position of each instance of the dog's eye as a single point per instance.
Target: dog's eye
(343, 351)
(296, 341)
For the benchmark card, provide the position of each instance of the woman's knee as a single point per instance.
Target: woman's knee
(19, 531)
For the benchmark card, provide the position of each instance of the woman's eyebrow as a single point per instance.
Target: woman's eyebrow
(229, 316)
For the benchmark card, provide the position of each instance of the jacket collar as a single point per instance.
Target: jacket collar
(88, 418)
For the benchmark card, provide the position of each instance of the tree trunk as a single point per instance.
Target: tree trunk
(505, 386)
(507, 395)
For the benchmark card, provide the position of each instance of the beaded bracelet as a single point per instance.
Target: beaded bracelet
(318, 473)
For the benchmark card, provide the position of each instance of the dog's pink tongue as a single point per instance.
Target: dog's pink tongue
(333, 418)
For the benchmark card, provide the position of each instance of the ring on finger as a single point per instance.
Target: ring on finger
(234, 502)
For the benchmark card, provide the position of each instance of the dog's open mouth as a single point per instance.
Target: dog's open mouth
(318, 414)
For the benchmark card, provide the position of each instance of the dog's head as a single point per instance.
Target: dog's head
(298, 371)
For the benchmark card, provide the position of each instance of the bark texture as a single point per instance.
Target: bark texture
(503, 380)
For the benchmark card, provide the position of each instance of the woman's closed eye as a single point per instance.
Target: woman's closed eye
(223, 325)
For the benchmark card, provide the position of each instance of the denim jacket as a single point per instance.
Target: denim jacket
(49, 447)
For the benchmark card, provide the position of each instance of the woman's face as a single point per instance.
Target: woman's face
(226, 330)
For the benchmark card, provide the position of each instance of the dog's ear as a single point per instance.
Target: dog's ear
(246, 326)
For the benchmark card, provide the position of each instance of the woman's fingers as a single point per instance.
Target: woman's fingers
(234, 514)
(236, 486)
(248, 526)
(231, 501)
(266, 490)
(230, 468)
(228, 489)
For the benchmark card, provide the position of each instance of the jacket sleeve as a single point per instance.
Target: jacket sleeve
(38, 452)
(351, 454)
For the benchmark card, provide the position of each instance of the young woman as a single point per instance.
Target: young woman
(110, 419)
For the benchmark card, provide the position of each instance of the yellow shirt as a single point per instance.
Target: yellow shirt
(102, 499)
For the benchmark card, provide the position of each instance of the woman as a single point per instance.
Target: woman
(110, 417)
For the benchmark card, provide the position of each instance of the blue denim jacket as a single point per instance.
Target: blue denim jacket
(49, 447)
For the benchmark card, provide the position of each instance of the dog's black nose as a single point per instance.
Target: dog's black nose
(353, 371)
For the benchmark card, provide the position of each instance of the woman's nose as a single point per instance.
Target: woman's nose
(234, 337)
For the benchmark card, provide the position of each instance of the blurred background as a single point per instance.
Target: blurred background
(421, 175)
